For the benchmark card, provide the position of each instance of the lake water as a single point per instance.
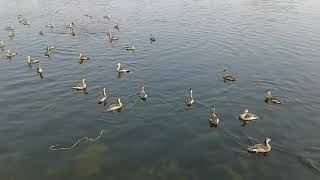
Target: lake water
(268, 44)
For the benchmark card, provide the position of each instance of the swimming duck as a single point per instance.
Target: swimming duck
(130, 48)
(81, 86)
(143, 95)
(39, 70)
(114, 38)
(10, 54)
(50, 25)
(116, 27)
(115, 107)
(213, 118)
(103, 97)
(32, 61)
(1, 45)
(261, 148)
(49, 49)
(108, 17)
(41, 33)
(246, 116)
(83, 57)
(227, 76)
(121, 69)
(9, 28)
(189, 98)
(270, 98)
(26, 22)
(11, 34)
(152, 39)
(71, 25)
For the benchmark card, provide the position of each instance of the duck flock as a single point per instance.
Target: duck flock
(214, 120)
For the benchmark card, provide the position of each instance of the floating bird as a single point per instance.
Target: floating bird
(9, 28)
(83, 57)
(115, 107)
(11, 34)
(49, 49)
(261, 148)
(81, 86)
(31, 61)
(26, 22)
(39, 70)
(103, 97)
(130, 48)
(50, 25)
(116, 27)
(152, 39)
(114, 38)
(227, 76)
(41, 33)
(270, 98)
(189, 98)
(108, 17)
(121, 69)
(143, 95)
(1, 45)
(246, 116)
(213, 118)
(71, 25)
(10, 54)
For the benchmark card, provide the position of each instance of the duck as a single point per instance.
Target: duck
(121, 69)
(115, 107)
(152, 39)
(130, 48)
(108, 17)
(143, 95)
(261, 148)
(32, 61)
(71, 25)
(116, 26)
(114, 38)
(10, 54)
(81, 86)
(247, 116)
(103, 97)
(49, 49)
(25, 22)
(50, 25)
(271, 99)
(1, 45)
(11, 34)
(213, 118)
(39, 70)
(227, 76)
(9, 28)
(82, 57)
(41, 33)
(189, 98)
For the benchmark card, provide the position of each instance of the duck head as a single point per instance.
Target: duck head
(267, 140)
(246, 111)
(119, 101)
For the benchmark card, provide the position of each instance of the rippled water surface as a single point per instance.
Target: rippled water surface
(268, 44)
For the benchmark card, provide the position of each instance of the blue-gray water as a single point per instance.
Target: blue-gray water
(269, 44)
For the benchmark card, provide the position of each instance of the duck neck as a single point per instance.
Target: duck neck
(266, 143)
(104, 92)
